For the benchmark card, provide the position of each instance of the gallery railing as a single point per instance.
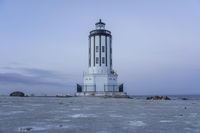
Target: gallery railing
(89, 88)
(107, 88)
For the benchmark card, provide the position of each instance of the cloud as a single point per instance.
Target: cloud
(32, 76)
(28, 80)
(34, 80)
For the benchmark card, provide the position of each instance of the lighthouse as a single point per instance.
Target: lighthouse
(100, 79)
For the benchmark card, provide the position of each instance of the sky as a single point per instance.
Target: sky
(44, 44)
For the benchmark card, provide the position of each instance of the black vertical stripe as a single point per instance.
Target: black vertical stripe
(89, 52)
(100, 50)
(94, 50)
(106, 48)
(111, 52)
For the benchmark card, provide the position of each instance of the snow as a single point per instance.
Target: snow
(136, 123)
(98, 115)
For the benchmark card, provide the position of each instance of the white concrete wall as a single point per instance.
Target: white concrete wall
(100, 80)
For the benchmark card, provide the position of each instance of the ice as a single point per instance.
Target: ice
(74, 109)
(166, 121)
(31, 128)
(114, 115)
(41, 128)
(66, 120)
(98, 115)
(83, 115)
(193, 114)
(103, 132)
(137, 123)
(11, 112)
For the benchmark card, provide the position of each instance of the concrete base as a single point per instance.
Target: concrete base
(103, 94)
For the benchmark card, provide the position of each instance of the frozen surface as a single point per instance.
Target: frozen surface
(98, 115)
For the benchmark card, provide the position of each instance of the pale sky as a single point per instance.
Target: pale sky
(44, 43)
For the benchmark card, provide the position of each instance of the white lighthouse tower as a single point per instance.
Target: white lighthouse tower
(100, 79)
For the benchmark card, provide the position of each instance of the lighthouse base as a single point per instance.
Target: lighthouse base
(107, 90)
(100, 84)
(103, 94)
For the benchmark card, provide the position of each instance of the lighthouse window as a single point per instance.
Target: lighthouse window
(103, 60)
(97, 49)
(103, 49)
(97, 60)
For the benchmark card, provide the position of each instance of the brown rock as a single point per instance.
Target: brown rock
(158, 98)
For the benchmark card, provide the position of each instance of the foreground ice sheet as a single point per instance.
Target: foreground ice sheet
(98, 115)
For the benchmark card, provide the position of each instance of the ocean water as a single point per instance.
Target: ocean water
(98, 115)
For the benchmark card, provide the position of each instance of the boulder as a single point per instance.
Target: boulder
(184, 98)
(158, 98)
(17, 94)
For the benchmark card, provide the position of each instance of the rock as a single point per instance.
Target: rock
(60, 125)
(158, 98)
(166, 98)
(25, 129)
(29, 128)
(17, 94)
(184, 98)
(61, 102)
